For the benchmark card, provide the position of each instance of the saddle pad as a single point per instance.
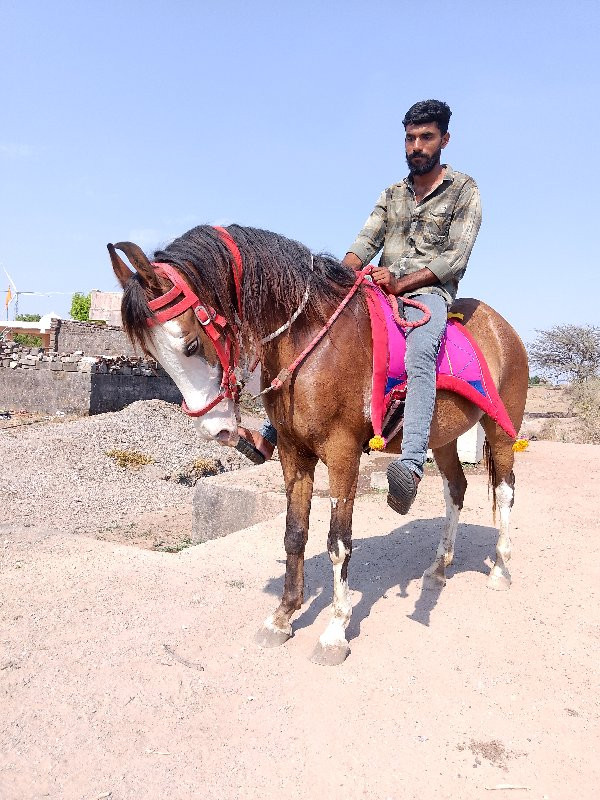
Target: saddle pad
(460, 368)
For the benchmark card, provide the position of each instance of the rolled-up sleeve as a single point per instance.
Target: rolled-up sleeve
(370, 240)
(466, 221)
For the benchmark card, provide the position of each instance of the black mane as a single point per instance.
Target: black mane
(276, 272)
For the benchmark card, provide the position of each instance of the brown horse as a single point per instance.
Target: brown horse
(322, 410)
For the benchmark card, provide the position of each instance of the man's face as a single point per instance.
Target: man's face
(424, 145)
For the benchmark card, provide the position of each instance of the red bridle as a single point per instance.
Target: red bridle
(223, 335)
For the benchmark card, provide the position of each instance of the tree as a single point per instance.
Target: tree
(570, 352)
(80, 306)
(28, 318)
(27, 339)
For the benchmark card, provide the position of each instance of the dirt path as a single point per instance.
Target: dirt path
(127, 673)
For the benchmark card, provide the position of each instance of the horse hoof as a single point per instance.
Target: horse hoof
(433, 581)
(500, 581)
(330, 656)
(271, 637)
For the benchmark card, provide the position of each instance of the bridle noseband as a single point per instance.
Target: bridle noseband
(223, 335)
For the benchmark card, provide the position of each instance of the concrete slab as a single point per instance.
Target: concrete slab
(233, 501)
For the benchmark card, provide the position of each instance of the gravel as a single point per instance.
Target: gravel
(58, 475)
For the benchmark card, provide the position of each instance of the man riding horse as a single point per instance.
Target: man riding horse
(427, 225)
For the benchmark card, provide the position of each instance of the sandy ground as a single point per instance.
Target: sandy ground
(131, 673)
(549, 415)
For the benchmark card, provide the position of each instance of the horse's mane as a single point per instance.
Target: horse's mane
(276, 272)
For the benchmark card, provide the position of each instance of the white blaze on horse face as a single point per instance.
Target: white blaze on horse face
(196, 379)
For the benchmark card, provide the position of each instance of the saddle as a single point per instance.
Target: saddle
(460, 368)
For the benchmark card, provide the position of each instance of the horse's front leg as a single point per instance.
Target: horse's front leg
(332, 647)
(298, 473)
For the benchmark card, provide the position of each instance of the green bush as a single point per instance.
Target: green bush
(80, 306)
(27, 339)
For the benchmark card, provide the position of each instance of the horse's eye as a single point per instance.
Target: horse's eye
(191, 348)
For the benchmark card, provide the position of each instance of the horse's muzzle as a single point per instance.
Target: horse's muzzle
(228, 438)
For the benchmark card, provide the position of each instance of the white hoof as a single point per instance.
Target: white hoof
(271, 635)
(499, 579)
(330, 655)
(435, 576)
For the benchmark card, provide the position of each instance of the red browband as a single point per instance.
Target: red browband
(215, 326)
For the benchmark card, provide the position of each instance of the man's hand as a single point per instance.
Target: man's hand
(353, 261)
(384, 279)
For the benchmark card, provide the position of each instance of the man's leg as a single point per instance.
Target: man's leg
(422, 345)
(269, 433)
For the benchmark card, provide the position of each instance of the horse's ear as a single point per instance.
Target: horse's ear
(120, 268)
(138, 258)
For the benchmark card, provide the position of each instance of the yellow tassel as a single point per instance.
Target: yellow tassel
(520, 445)
(377, 443)
(456, 315)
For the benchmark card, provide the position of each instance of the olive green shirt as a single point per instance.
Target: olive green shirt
(437, 233)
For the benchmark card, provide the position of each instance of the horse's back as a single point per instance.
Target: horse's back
(497, 339)
(503, 350)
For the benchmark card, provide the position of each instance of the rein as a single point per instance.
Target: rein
(225, 336)
(362, 274)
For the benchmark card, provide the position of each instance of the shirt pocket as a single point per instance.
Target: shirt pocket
(436, 226)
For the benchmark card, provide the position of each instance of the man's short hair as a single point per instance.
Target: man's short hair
(429, 111)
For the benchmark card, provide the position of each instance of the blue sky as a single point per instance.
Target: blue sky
(139, 120)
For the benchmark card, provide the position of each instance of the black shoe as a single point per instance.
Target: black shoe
(402, 484)
(247, 449)
(254, 445)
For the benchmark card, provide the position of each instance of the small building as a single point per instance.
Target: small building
(45, 328)
(106, 306)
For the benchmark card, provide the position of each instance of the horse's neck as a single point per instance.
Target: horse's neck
(351, 332)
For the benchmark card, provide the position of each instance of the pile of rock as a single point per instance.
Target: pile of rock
(15, 356)
(125, 365)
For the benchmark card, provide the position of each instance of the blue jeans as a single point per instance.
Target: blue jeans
(422, 346)
(269, 433)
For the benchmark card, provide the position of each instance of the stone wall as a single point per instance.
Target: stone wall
(47, 382)
(92, 339)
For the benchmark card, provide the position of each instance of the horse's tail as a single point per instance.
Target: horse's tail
(488, 462)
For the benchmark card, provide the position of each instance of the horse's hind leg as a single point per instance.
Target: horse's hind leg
(332, 647)
(298, 472)
(455, 484)
(502, 478)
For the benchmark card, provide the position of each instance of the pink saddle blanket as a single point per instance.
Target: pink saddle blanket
(461, 367)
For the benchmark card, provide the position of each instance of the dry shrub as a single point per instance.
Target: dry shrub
(585, 402)
(130, 458)
(207, 466)
(190, 474)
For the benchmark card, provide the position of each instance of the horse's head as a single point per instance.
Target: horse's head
(191, 341)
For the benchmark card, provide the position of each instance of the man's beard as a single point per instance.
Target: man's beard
(425, 166)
